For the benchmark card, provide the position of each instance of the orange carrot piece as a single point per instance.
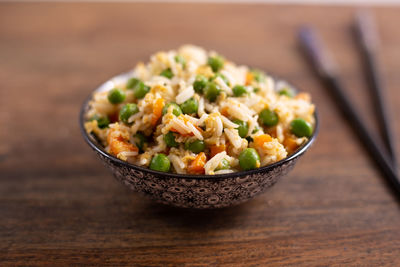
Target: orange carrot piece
(118, 145)
(157, 110)
(261, 139)
(249, 78)
(290, 144)
(197, 165)
(214, 150)
(173, 130)
(224, 111)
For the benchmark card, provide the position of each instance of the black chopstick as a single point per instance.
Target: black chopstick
(367, 38)
(328, 72)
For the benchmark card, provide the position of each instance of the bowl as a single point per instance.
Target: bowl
(192, 191)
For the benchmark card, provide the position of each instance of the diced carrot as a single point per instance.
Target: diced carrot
(224, 111)
(118, 144)
(290, 144)
(261, 139)
(157, 110)
(214, 150)
(197, 165)
(249, 78)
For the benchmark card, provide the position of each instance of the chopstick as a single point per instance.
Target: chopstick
(367, 38)
(327, 71)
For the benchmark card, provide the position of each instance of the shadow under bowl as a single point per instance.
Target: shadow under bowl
(192, 191)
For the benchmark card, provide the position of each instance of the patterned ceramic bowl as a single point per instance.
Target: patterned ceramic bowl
(193, 191)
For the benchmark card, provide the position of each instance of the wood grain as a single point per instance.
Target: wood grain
(59, 205)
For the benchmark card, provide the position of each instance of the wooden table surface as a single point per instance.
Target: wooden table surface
(60, 206)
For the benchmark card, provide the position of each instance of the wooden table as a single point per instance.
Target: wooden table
(60, 206)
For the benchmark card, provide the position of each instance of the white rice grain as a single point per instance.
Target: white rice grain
(223, 85)
(180, 126)
(195, 131)
(136, 116)
(187, 93)
(209, 107)
(234, 137)
(178, 164)
(128, 153)
(228, 123)
(279, 133)
(200, 110)
(200, 122)
(191, 119)
(253, 124)
(194, 54)
(238, 110)
(172, 63)
(229, 76)
(220, 127)
(213, 163)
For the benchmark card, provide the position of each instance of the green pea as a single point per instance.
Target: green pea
(127, 111)
(190, 106)
(169, 139)
(140, 139)
(132, 83)
(216, 63)
(259, 75)
(167, 73)
(301, 128)
(223, 77)
(195, 146)
(199, 84)
(269, 117)
(224, 165)
(256, 90)
(211, 91)
(243, 128)
(138, 87)
(256, 129)
(180, 59)
(160, 162)
(116, 96)
(239, 90)
(102, 122)
(176, 109)
(249, 159)
(287, 92)
(140, 90)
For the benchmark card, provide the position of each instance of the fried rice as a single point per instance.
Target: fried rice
(200, 112)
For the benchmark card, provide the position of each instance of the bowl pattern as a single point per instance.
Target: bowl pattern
(197, 193)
